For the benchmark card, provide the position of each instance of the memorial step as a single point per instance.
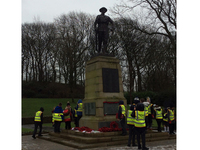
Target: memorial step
(83, 142)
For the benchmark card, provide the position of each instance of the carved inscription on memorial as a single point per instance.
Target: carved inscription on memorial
(110, 109)
(110, 80)
(90, 108)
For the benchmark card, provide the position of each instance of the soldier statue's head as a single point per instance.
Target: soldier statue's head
(103, 10)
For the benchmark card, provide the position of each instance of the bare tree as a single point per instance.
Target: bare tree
(37, 43)
(158, 17)
(73, 31)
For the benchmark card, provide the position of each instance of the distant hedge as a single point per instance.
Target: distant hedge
(163, 98)
(50, 90)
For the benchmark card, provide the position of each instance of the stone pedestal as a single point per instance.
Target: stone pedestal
(103, 87)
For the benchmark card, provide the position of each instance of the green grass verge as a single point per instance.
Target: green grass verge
(25, 130)
(31, 105)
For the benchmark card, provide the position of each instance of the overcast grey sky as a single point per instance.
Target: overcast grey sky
(47, 10)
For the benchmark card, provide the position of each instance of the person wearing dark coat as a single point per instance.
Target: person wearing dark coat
(75, 116)
(159, 117)
(171, 119)
(58, 110)
(140, 131)
(122, 117)
(165, 121)
(38, 121)
(131, 129)
(150, 113)
(79, 109)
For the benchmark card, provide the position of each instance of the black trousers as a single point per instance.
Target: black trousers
(57, 126)
(79, 117)
(76, 121)
(159, 121)
(68, 125)
(35, 128)
(149, 120)
(131, 135)
(123, 124)
(171, 128)
(140, 132)
(146, 121)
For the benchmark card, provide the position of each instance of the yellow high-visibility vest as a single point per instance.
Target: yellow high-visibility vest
(75, 111)
(123, 110)
(66, 117)
(57, 116)
(140, 119)
(165, 119)
(80, 107)
(52, 117)
(159, 114)
(149, 108)
(37, 116)
(171, 115)
(130, 119)
(146, 110)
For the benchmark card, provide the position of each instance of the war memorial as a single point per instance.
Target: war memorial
(103, 91)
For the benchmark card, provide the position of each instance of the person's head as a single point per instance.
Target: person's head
(60, 104)
(41, 109)
(68, 104)
(148, 99)
(136, 100)
(121, 102)
(103, 10)
(142, 100)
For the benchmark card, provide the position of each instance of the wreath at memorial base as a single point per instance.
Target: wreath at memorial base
(81, 129)
(113, 125)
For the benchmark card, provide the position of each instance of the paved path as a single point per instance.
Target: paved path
(28, 143)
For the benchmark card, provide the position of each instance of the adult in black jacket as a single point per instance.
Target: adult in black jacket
(140, 131)
(171, 122)
(38, 122)
(150, 113)
(122, 118)
(131, 131)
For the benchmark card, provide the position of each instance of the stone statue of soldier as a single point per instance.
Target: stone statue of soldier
(102, 30)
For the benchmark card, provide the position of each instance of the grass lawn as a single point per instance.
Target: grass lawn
(25, 130)
(31, 105)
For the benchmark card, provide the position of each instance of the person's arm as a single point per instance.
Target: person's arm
(165, 116)
(154, 113)
(168, 116)
(133, 114)
(152, 109)
(41, 117)
(119, 112)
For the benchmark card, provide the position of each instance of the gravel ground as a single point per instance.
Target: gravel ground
(28, 143)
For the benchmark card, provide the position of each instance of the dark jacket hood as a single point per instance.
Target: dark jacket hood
(140, 107)
(79, 101)
(132, 107)
(58, 109)
(121, 102)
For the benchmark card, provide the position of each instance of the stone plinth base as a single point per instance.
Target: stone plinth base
(103, 84)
